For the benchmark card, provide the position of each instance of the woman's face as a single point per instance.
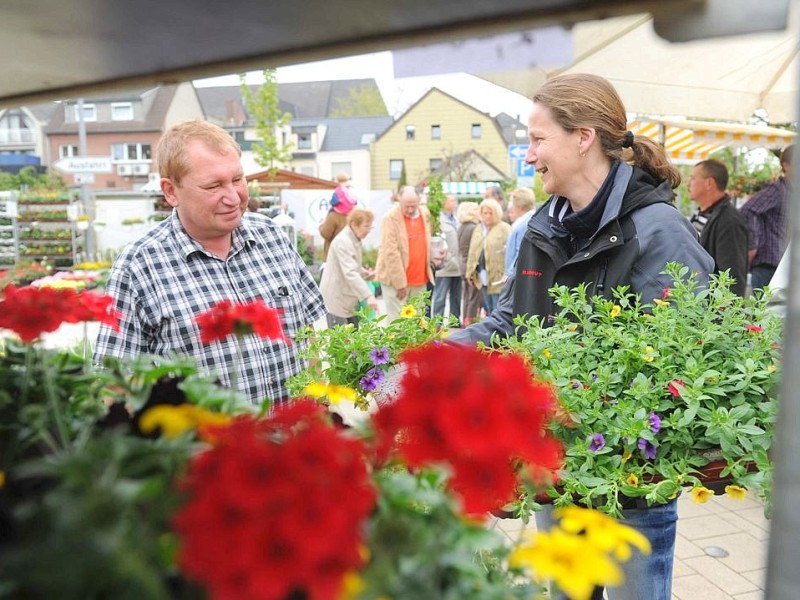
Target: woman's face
(362, 229)
(487, 216)
(553, 151)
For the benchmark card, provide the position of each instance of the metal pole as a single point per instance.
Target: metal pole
(783, 576)
(86, 197)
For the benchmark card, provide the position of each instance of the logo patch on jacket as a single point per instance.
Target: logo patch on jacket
(532, 273)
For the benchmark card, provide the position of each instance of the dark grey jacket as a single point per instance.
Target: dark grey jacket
(640, 232)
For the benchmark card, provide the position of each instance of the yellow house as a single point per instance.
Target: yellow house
(437, 132)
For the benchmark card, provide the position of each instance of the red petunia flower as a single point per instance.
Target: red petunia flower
(32, 311)
(265, 516)
(226, 318)
(674, 389)
(753, 328)
(665, 293)
(480, 413)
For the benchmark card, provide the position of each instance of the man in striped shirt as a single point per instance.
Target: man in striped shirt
(210, 249)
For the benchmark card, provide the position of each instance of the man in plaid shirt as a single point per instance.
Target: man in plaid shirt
(210, 249)
(767, 219)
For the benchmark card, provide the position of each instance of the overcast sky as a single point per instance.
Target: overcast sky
(399, 93)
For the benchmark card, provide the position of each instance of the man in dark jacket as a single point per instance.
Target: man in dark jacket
(721, 227)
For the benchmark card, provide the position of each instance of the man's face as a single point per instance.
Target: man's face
(450, 204)
(697, 184)
(212, 194)
(409, 204)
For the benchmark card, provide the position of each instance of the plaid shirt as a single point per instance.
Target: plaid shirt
(161, 282)
(767, 218)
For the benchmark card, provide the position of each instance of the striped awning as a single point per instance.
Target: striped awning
(692, 141)
(467, 188)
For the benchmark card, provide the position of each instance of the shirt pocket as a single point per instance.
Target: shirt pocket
(286, 299)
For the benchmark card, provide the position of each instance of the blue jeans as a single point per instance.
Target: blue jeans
(646, 576)
(489, 301)
(447, 287)
(761, 275)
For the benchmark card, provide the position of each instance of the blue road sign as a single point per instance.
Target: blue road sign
(517, 151)
(524, 170)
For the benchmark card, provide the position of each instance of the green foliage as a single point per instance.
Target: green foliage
(30, 179)
(263, 107)
(341, 355)
(435, 202)
(705, 361)
(421, 547)
(403, 181)
(361, 101)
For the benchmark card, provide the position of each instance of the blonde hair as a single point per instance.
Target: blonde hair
(360, 216)
(468, 212)
(342, 177)
(523, 199)
(495, 206)
(583, 100)
(171, 149)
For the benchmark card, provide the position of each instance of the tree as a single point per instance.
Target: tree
(361, 101)
(263, 107)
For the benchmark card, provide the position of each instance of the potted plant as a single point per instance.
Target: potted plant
(144, 480)
(655, 397)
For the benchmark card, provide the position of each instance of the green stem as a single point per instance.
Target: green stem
(62, 434)
(237, 361)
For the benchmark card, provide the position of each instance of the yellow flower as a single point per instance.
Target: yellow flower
(408, 311)
(701, 494)
(626, 456)
(615, 310)
(572, 327)
(771, 368)
(660, 302)
(571, 561)
(736, 492)
(602, 531)
(352, 586)
(546, 353)
(334, 393)
(423, 324)
(176, 420)
(649, 354)
(632, 480)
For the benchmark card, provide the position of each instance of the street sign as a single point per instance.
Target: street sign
(83, 178)
(524, 170)
(84, 164)
(517, 151)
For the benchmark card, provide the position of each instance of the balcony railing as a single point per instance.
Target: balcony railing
(16, 136)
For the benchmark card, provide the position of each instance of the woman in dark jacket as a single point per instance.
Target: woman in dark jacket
(468, 216)
(609, 221)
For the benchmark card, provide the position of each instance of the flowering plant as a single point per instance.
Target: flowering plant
(144, 481)
(653, 394)
(359, 359)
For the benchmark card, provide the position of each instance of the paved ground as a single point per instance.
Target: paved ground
(736, 526)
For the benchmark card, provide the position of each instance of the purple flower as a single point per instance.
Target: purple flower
(576, 385)
(597, 442)
(655, 422)
(647, 448)
(368, 384)
(379, 356)
(372, 379)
